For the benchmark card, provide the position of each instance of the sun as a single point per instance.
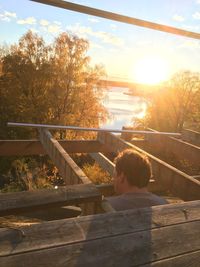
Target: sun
(150, 70)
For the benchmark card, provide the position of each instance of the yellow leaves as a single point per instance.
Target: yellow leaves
(96, 174)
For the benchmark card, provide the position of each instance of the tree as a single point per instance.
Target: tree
(24, 85)
(49, 84)
(76, 88)
(54, 83)
(177, 105)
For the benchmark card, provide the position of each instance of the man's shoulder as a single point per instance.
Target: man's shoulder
(117, 202)
(135, 200)
(158, 199)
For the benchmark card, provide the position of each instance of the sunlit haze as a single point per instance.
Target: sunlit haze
(150, 70)
(124, 50)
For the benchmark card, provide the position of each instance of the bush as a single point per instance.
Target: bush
(96, 174)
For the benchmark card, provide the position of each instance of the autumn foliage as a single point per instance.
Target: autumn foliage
(176, 105)
(49, 83)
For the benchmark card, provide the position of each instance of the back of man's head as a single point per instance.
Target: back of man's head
(134, 166)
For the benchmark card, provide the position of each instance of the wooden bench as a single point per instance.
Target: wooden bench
(161, 236)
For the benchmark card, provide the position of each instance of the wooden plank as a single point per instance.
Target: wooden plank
(196, 177)
(104, 162)
(119, 18)
(127, 238)
(191, 136)
(34, 147)
(106, 190)
(61, 159)
(64, 195)
(126, 250)
(93, 227)
(181, 149)
(191, 259)
(170, 178)
(167, 144)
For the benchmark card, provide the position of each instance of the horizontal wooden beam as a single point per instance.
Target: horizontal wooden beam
(177, 182)
(127, 238)
(34, 147)
(119, 18)
(68, 169)
(106, 190)
(76, 128)
(42, 198)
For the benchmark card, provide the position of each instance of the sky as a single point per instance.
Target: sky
(126, 51)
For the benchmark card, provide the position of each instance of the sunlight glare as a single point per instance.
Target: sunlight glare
(150, 70)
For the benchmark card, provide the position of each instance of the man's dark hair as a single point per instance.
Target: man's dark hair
(135, 167)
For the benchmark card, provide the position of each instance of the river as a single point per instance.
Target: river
(123, 108)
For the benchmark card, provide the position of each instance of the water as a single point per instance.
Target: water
(124, 109)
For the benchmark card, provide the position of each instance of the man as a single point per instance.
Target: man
(131, 177)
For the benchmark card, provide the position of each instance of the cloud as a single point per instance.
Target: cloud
(93, 20)
(49, 27)
(95, 45)
(7, 16)
(192, 27)
(10, 14)
(191, 44)
(178, 18)
(44, 22)
(198, 1)
(4, 18)
(108, 38)
(34, 30)
(196, 15)
(79, 30)
(29, 21)
(105, 37)
(53, 28)
(113, 26)
(57, 22)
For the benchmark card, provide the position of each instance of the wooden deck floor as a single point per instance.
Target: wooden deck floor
(161, 236)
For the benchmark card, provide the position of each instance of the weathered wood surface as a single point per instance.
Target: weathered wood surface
(168, 177)
(103, 162)
(191, 136)
(68, 169)
(65, 195)
(157, 236)
(196, 177)
(180, 149)
(166, 144)
(34, 147)
(191, 259)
